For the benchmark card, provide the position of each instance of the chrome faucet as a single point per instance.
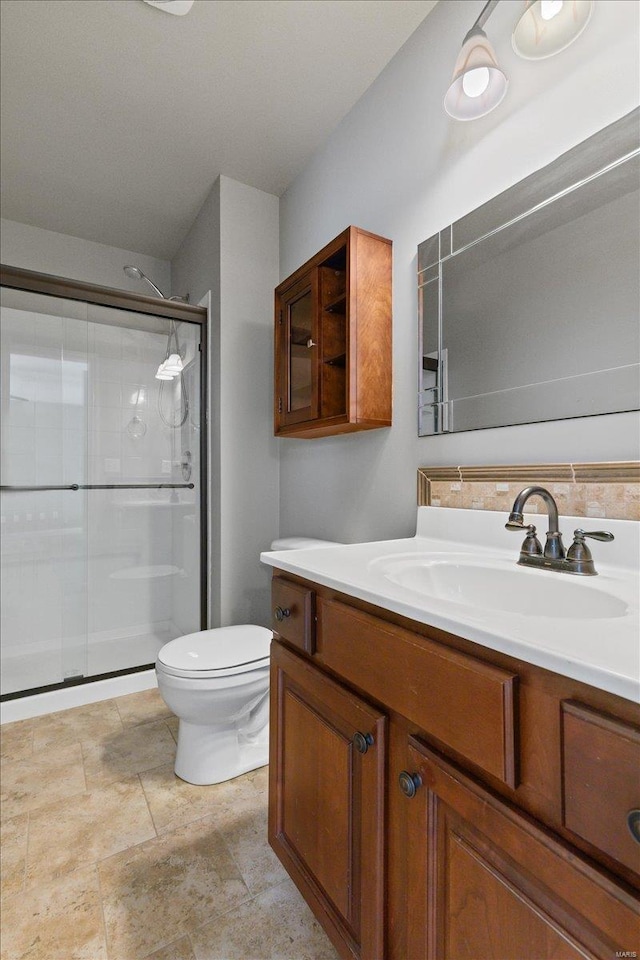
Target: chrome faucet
(576, 560)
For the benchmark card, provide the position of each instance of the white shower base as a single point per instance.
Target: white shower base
(41, 703)
(105, 653)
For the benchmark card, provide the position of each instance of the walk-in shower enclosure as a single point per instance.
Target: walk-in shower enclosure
(102, 546)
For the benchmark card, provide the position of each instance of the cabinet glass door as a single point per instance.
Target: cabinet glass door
(299, 319)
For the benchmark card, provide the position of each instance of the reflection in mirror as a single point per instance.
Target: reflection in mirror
(529, 304)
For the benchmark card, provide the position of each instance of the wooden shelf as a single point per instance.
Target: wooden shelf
(338, 361)
(337, 306)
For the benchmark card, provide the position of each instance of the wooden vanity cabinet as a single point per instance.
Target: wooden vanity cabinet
(327, 789)
(491, 818)
(333, 360)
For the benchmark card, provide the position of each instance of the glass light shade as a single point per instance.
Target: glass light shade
(549, 26)
(173, 364)
(178, 7)
(478, 84)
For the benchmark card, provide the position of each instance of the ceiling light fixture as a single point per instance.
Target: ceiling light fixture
(478, 84)
(177, 7)
(545, 28)
(549, 26)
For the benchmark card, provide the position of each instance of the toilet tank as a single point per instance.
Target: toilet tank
(301, 543)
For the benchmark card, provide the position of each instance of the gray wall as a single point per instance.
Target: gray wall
(45, 251)
(232, 250)
(397, 165)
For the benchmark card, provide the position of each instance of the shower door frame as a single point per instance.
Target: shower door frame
(35, 282)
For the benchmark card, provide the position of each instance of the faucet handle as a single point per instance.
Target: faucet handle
(579, 554)
(580, 534)
(531, 546)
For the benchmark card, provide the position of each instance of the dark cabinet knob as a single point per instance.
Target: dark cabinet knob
(281, 614)
(633, 822)
(362, 741)
(409, 783)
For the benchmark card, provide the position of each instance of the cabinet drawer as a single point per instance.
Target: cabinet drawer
(293, 613)
(601, 780)
(467, 705)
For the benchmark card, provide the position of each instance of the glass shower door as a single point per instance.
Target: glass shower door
(43, 437)
(101, 533)
(144, 474)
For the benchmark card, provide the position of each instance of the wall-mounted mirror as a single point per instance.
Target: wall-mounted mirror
(529, 305)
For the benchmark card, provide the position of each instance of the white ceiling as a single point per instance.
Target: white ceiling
(117, 117)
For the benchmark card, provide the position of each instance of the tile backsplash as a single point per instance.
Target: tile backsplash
(603, 489)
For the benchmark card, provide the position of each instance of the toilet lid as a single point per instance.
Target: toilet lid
(219, 650)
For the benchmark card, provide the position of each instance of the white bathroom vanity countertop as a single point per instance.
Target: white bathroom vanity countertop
(459, 574)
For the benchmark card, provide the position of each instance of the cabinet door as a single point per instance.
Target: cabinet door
(485, 882)
(296, 349)
(326, 803)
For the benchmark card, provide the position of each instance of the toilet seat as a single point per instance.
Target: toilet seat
(220, 652)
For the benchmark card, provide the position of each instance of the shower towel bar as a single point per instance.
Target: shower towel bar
(104, 486)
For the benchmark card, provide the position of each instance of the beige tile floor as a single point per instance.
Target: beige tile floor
(107, 855)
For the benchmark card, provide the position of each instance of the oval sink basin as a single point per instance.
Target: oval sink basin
(509, 590)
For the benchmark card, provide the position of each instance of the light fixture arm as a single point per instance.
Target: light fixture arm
(477, 30)
(485, 13)
(478, 27)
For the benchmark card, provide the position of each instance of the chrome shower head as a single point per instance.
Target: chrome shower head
(135, 273)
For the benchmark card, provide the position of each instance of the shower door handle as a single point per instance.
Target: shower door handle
(136, 486)
(7, 489)
(101, 486)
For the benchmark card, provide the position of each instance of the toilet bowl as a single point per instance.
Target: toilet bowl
(217, 683)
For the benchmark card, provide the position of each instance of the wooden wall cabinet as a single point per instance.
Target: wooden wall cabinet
(333, 359)
(490, 814)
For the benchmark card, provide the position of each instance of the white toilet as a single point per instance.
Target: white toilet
(217, 684)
